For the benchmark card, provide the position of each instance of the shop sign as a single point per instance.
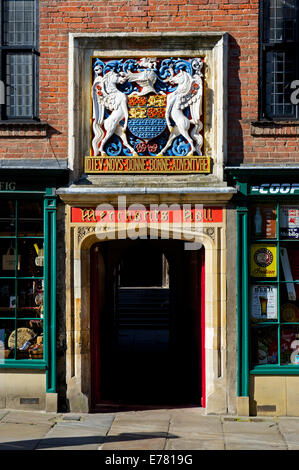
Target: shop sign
(147, 215)
(147, 116)
(264, 302)
(263, 261)
(275, 189)
(7, 185)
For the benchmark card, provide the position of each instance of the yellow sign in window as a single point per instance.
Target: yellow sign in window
(263, 261)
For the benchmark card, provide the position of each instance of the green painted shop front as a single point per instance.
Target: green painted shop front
(28, 288)
(267, 210)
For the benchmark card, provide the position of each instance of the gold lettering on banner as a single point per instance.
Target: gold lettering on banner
(164, 216)
(198, 216)
(165, 164)
(208, 215)
(188, 215)
(88, 215)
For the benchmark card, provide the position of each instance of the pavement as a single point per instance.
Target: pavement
(183, 429)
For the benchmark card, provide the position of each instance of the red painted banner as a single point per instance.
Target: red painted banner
(204, 214)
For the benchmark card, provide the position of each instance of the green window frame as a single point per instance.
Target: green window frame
(47, 276)
(247, 325)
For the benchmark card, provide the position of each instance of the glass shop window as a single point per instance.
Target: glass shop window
(274, 284)
(21, 279)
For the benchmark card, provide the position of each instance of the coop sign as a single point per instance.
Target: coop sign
(147, 116)
(275, 188)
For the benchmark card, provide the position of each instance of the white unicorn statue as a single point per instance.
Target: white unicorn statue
(187, 94)
(105, 94)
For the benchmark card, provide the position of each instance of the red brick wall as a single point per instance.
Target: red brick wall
(246, 143)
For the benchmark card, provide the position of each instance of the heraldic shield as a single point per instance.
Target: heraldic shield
(147, 120)
(147, 107)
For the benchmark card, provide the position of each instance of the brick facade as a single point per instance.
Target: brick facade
(248, 140)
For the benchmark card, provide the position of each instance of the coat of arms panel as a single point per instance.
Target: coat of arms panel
(147, 116)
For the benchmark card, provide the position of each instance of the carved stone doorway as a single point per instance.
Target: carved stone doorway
(147, 315)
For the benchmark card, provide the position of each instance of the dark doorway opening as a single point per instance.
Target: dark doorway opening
(146, 323)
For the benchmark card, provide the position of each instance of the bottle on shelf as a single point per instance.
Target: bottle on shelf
(258, 221)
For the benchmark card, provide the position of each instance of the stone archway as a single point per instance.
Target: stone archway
(78, 316)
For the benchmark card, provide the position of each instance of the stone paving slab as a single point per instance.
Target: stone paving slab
(72, 437)
(289, 428)
(27, 417)
(248, 434)
(77, 432)
(138, 431)
(23, 436)
(249, 426)
(253, 442)
(201, 443)
(128, 441)
(171, 430)
(195, 424)
(290, 425)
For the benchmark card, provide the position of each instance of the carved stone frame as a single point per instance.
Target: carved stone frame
(82, 47)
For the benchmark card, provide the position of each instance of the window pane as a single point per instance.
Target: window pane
(8, 258)
(289, 263)
(7, 298)
(30, 218)
(31, 252)
(280, 73)
(289, 345)
(289, 222)
(19, 22)
(289, 309)
(29, 339)
(280, 20)
(30, 298)
(19, 92)
(264, 345)
(6, 347)
(7, 218)
(263, 302)
(264, 221)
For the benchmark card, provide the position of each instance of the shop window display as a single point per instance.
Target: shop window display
(274, 284)
(21, 279)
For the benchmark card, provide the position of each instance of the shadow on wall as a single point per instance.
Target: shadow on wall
(235, 145)
(60, 311)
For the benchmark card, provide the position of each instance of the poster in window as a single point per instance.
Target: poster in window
(289, 222)
(264, 302)
(263, 261)
(264, 221)
(289, 258)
